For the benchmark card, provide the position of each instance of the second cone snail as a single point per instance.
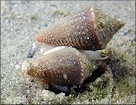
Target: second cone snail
(64, 66)
(90, 29)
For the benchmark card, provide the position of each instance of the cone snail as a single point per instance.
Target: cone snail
(90, 29)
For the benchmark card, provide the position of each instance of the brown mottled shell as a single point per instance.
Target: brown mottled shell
(66, 66)
(90, 29)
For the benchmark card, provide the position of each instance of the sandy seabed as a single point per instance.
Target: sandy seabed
(21, 20)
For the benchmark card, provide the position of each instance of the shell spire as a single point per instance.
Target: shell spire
(90, 29)
(62, 66)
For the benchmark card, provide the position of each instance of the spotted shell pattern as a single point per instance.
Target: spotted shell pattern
(65, 66)
(90, 29)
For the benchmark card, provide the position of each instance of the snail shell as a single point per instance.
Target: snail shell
(90, 29)
(62, 66)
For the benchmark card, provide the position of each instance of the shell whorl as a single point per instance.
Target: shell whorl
(89, 29)
(66, 66)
